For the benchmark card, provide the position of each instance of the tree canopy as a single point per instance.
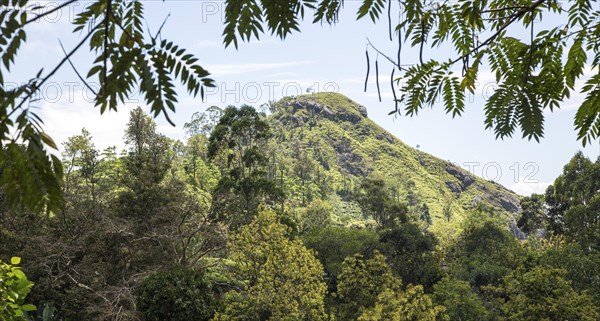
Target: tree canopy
(282, 278)
(536, 65)
(137, 241)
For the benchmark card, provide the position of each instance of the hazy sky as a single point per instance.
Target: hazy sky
(326, 58)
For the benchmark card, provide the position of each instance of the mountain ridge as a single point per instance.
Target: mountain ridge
(332, 124)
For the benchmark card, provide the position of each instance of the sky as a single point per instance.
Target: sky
(320, 57)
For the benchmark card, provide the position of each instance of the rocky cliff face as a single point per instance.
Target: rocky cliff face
(506, 200)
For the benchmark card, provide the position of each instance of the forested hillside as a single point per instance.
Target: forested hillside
(306, 211)
(335, 136)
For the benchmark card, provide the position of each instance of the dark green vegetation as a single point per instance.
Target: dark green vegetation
(311, 213)
(534, 74)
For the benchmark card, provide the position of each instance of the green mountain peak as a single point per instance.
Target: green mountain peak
(337, 134)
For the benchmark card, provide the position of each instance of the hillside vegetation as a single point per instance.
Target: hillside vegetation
(311, 213)
(346, 145)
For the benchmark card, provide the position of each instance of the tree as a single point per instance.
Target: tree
(238, 144)
(582, 223)
(425, 216)
(544, 294)
(459, 300)
(447, 211)
(361, 282)
(576, 184)
(178, 295)
(282, 280)
(148, 160)
(81, 160)
(29, 178)
(368, 290)
(412, 199)
(202, 174)
(303, 169)
(532, 213)
(375, 200)
(581, 264)
(485, 253)
(159, 206)
(147, 164)
(410, 305)
(316, 215)
(572, 194)
(533, 75)
(556, 211)
(410, 252)
(88, 259)
(126, 58)
(333, 244)
(203, 123)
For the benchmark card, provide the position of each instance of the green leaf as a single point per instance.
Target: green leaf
(15, 260)
(28, 307)
(576, 61)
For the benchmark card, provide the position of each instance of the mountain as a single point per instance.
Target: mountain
(346, 145)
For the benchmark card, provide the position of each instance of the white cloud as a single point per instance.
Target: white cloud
(485, 76)
(175, 132)
(284, 74)
(47, 47)
(525, 187)
(68, 116)
(352, 80)
(52, 21)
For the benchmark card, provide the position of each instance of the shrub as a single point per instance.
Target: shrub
(178, 295)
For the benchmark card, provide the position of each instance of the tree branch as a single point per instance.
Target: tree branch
(75, 69)
(48, 12)
(62, 62)
(500, 30)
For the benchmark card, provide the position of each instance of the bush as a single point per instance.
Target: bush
(178, 295)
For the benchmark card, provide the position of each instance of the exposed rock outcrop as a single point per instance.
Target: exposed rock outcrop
(327, 111)
(466, 180)
(389, 138)
(516, 231)
(455, 188)
(363, 111)
(510, 204)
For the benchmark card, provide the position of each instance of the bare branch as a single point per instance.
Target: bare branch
(78, 75)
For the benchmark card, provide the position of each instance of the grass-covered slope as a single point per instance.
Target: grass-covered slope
(349, 146)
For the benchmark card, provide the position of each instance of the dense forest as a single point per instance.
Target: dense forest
(301, 209)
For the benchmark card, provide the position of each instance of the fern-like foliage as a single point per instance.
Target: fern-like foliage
(29, 175)
(127, 58)
(535, 72)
